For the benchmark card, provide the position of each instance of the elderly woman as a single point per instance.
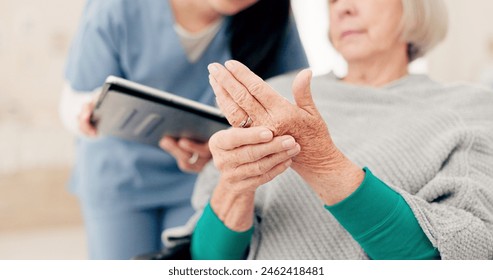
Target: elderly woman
(379, 164)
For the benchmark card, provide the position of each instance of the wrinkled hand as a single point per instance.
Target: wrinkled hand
(241, 94)
(247, 158)
(250, 157)
(190, 156)
(85, 125)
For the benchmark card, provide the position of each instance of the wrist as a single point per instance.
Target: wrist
(337, 183)
(234, 209)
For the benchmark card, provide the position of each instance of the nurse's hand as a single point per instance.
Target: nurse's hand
(85, 125)
(190, 156)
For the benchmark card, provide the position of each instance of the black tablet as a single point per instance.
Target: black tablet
(143, 114)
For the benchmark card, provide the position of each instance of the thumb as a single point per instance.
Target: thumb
(302, 92)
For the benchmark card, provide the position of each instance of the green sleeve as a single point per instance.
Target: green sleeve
(381, 221)
(212, 240)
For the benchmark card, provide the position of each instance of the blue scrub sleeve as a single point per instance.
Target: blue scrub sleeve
(94, 54)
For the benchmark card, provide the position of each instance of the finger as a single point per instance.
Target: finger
(254, 153)
(274, 172)
(236, 137)
(238, 92)
(262, 166)
(193, 147)
(171, 146)
(182, 156)
(302, 92)
(85, 124)
(251, 184)
(228, 106)
(257, 87)
(185, 166)
(270, 170)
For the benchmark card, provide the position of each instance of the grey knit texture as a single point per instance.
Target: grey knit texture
(431, 143)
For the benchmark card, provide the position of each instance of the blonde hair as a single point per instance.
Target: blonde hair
(424, 25)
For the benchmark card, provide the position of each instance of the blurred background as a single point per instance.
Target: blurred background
(39, 219)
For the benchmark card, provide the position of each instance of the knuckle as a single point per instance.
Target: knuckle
(240, 93)
(232, 109)
(235, 114)
(258, 168)
(250, 154)
(267, 177)
(256, 88)
(219, 163)
(215, 140)
(228, 141)
(234, 122)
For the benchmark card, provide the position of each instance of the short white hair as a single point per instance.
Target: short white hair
(424, 25)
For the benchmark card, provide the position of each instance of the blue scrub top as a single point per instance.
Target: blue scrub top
(136, 40)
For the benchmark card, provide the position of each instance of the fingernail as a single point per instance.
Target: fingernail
(288, 143)
(230, 65)
(293, 151)
(212, 68)
(266, 135)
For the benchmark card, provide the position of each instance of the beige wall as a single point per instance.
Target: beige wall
(34, 37)
(35, 151)
(465, 52)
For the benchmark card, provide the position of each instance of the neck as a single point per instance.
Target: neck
(379, 70)
(194, 15)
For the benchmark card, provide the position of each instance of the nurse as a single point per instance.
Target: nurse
(130, 192)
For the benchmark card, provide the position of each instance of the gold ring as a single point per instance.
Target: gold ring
(194, 158)
(246, 123)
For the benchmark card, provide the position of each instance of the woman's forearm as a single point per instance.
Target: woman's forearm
(212, 240)
(225, 228)
(234, 209)
(335, 183)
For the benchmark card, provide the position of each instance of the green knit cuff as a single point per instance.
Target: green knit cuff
(212, 240)
(382, 222)
(365, 207)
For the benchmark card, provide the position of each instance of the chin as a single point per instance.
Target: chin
(354, 53)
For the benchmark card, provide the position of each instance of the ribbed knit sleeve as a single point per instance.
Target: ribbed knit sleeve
(382, 222)
(212, 240)
(455, 207)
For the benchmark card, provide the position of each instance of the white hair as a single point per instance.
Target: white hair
(424, 25)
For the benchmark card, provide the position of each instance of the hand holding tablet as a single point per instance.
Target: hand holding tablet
(143, 114)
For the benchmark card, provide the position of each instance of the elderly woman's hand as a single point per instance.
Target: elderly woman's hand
(241, 95)
(246, 99)
(247, 159)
